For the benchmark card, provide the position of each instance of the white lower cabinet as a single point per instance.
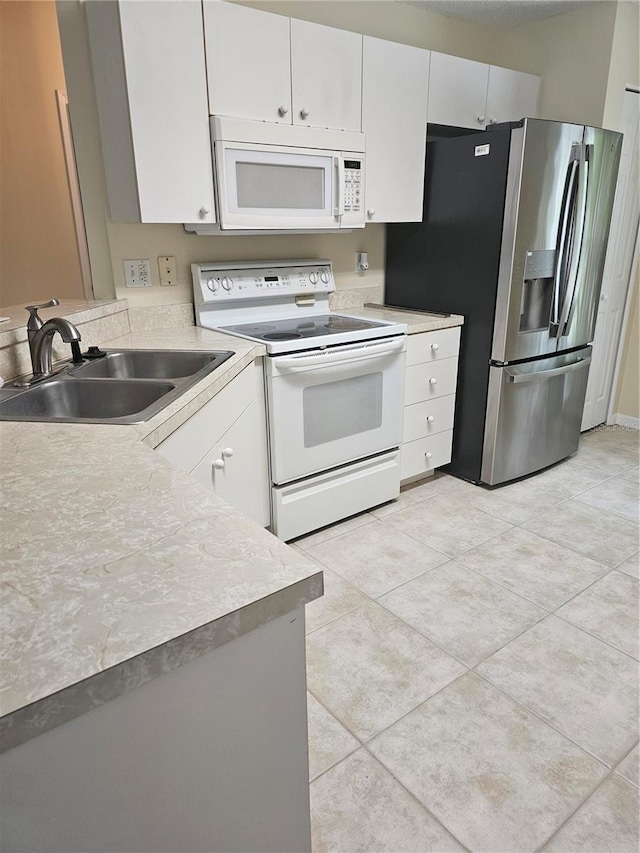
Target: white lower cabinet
(224, 445)
(429, 402)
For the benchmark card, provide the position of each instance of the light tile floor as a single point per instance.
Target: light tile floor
(473, 665)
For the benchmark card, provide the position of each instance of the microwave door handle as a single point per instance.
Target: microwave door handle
(583, 191)
(304, 361)
(338, 209)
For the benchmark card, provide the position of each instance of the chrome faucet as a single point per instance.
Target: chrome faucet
(41, 339)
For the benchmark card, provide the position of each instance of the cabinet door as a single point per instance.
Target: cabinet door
(326, 76)
(395, 87)
(166, 87)
(236, 469)
(457, 91)
(511, 95)
(248, 62)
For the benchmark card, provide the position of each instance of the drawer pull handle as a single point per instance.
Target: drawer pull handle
(428, 454)
(218, 464)
(433, 381)
(431, 419)
(228, 451)
(435, 347)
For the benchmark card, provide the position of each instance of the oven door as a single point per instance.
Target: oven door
(333, 406)
(265, 186)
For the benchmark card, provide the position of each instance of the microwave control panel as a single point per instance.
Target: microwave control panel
(352, 186)
(213, 283)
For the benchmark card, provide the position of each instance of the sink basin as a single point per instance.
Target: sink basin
(88, 400)
(123, 387)
(150, 364)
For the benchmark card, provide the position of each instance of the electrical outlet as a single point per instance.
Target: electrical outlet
(137, 273)
(362, 261)
(167, 270)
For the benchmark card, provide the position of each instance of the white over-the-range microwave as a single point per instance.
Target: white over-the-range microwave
(274, 177)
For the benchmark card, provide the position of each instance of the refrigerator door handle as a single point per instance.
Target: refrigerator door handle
(576, 254)
(563, 236)
(541, 375)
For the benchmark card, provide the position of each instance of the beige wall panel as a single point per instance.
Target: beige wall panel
(38, 248)
(571, 52)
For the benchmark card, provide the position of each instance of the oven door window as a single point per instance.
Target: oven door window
(336, 410)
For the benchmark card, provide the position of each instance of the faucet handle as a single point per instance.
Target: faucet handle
(35, 322)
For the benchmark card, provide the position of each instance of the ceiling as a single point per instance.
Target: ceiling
(500, 14)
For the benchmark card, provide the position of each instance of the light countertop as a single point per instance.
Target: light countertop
(118, 567)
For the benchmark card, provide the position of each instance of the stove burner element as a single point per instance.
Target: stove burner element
(281, 336)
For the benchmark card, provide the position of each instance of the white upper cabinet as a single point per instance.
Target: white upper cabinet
(511, 95)
(395, 85)
(150, 82)
(465, 93)
(457, 91)
(248, 62)
(326, 76)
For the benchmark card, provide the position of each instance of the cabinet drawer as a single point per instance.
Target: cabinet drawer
(428, 417)
(414, 459)
(427, 381)
(195, 438)
(431, 346)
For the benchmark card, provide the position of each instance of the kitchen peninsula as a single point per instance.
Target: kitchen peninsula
(153, 681)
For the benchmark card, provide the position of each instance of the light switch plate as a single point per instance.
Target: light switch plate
(137, 273)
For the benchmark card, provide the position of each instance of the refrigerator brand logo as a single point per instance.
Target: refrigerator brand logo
(481, 150)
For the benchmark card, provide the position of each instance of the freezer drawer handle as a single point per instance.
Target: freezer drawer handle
(541, 375)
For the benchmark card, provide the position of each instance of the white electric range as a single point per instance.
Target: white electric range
(334, 387)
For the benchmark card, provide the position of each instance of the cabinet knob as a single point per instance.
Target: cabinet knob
(433, 381)
(304, 112)
(480, 119)
(435, 347)
(493, 121)
(227, 452)
(371, 211)
(283, 109)
(204, 211)
(431, 419)
(218, 463)
(428, 454)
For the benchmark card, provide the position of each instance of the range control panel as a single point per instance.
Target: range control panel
(215, 283)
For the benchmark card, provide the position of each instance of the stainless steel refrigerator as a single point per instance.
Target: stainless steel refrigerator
(514, 232)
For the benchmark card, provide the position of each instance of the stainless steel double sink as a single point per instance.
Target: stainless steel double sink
(122, 387)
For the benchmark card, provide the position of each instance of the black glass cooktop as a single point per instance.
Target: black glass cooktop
(293, 328)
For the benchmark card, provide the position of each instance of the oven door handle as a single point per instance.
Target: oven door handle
(319, 358)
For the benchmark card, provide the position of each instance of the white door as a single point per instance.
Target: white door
(237, 469)
(617, 268)
(167, 94)
(326, 75)
(457, 91)
(511, 95)
(395, 88)
(248, 62)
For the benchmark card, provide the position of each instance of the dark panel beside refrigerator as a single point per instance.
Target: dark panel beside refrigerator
(449, 263)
